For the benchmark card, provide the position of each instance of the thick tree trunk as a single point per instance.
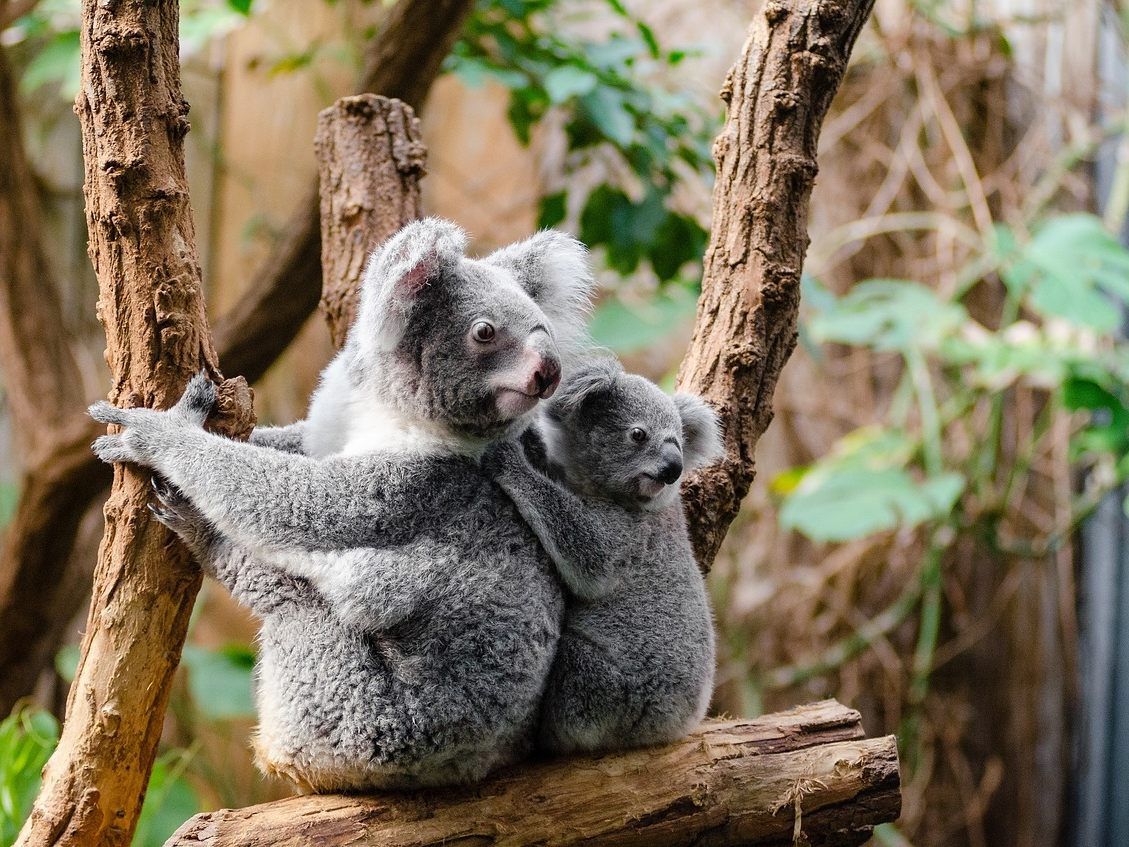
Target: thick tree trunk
(402, 62)
(778, 94)
(371, 158)
(808, 773)
(143, 249)
(35, 561)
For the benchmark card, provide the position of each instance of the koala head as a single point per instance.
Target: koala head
(619, 436)
(469, 344)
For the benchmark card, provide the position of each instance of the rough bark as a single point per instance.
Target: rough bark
(143, 249)
(41, 381)
(401, 62)
(371, 158)
(732, 782)
(778, 94)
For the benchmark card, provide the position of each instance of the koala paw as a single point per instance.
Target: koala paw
(176, 511)
(198, 400)
(142, 429)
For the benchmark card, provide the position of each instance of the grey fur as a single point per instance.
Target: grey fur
(409, 615)
(635, 662)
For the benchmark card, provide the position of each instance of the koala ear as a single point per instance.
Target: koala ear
(701, 432)
(415, 257)
(585, 383)
(554, 270)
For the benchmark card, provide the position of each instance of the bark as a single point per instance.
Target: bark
(41, 381)
(732, 782)
(370, 161)
(143, 249)
(402, 62)
(778, 94)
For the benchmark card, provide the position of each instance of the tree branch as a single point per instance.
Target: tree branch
(401, 62)
(143, 249)
(778, 94)
(732, 782)
(370, 161)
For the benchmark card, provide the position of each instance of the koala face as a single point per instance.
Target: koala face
(619, 436)
(472, 344)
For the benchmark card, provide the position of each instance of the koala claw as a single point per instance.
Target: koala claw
(199, 398)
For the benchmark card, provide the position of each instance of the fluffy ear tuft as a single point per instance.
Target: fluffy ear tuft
(701, 432)
(591, 379)
(415, 257)
(554, 270)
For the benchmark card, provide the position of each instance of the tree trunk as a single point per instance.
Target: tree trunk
(143, 249)
(402, 62)
(776, 780)
(370, 161)
(64, 479)
(778, 94)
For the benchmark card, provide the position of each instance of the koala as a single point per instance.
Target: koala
(409, 616)
(635, 662)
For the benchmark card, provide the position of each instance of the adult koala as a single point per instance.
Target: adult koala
(409, 616)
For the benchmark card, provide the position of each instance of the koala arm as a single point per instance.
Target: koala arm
(368, 589)
(585, 538)
(287, 439)
(260, 497)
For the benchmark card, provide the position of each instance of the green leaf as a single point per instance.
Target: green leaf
(625, 327)
(169, 801)
(220, 682)
(608, 110)
(57, 64)
(568, 81)
(1076, 270)
(243, 7)
(552, 210)
(886, 314)
(27, 739)
(853, 502)
(66, 661)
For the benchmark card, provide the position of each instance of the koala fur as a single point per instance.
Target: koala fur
(409, 617)
(635, 662)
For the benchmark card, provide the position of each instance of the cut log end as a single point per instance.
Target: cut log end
(731, 782)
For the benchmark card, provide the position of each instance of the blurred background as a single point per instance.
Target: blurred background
(937, 533)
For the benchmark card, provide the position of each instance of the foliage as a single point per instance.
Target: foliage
(610, 95)
(49, 33)
(27, 738)
(940, 462)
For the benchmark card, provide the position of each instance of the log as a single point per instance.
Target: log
(808, 773)
(778, 94)
(370, 161)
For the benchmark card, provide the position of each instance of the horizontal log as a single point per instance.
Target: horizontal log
(806, 776)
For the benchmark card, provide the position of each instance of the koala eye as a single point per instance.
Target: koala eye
(638, 435)
(483, 332)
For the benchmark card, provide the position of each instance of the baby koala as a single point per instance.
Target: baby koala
(635, 662)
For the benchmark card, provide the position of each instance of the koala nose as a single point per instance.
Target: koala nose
(546, 378)
(670, 471)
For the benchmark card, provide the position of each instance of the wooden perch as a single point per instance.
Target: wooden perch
(807, 773)
(370, 160)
